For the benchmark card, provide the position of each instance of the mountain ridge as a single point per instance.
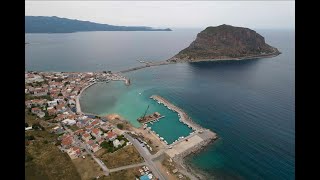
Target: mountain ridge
(54, 24)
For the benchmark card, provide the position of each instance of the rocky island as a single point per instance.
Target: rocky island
(226, 42)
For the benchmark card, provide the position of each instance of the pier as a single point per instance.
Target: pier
(184, 118)
(195, 141)
(150, 118)
(147, 64)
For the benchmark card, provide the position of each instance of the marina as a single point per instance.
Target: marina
(186, 139)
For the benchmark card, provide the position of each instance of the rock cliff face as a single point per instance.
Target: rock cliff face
(226, 42)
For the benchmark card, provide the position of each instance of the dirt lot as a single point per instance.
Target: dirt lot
(124, 156)
(87, 168)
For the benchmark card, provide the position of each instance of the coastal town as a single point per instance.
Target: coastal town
(53, 99)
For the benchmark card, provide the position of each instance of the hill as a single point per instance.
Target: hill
(45, 24)
(226, 42)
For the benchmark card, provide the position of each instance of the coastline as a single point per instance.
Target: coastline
(206, 137)
(78, 106)
(274, 54)
(175, 61)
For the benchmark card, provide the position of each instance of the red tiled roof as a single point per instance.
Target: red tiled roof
(79, 131)
(67, 140)
(86, 135)
(35, 109)
(90, 142)
(111, 134)
(95, 131)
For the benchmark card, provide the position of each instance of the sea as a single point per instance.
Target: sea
(250, 104)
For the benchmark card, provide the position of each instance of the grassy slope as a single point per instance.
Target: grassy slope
(124, 156)
(44, 160)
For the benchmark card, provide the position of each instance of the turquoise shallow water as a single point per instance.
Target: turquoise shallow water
(169, 127)
(249, 104)
(115, 97)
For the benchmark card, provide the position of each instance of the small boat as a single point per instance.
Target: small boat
(140, 93)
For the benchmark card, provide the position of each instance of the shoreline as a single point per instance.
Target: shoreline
(207, 137)
(225, 59)
(175, 61)
(78, 106)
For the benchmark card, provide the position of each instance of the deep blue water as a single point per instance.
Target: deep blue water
(249, 104)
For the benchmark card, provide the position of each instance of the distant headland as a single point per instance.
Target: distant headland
(226, 42)
(46, 24)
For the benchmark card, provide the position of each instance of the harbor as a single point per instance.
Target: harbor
(184, 145)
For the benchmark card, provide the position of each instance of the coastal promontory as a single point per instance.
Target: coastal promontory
(226, 42)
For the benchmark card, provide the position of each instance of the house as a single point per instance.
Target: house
(40, 92)
(100, 141)
(116, 143)
(96, 133)
(82, 123)
(59, 101)
(52, 103)
(61, 117)
(95, 122)
(35, 110)
(89, 127)
(95, 147)
(111, 136)
(69, 122)
(61, 108)
(79, 132)
(74, 152)
(41, 114)
(57, 130)
(51, 111)
(122, 142)
(106, 127)
(67, 141)
(86, 137)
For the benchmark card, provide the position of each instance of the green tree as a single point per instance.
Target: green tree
(120, 126)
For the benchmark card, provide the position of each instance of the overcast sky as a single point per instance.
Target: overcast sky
(172, 14)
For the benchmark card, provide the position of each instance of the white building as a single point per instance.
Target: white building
(69, 122)
(52, 103)
(116, 143)
(41, 114)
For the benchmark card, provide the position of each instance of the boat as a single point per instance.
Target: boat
(140, 93)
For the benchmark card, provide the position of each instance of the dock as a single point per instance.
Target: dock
(184, 118)
(150, 118)
(199, 138)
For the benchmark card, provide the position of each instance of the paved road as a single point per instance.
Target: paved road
(127, 167)
(101, 164)
(146, 155)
